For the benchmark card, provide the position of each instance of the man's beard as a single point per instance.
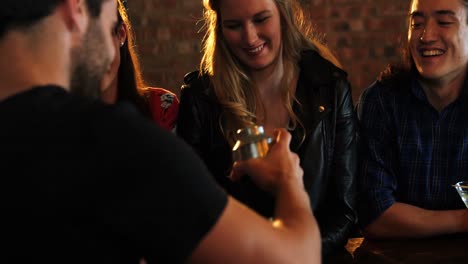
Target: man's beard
(89, 63)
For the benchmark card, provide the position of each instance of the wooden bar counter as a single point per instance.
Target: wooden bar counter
(446, 249)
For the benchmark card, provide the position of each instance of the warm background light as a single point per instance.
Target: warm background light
(364, 34)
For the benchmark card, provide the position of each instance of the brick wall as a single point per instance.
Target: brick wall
(364, 34)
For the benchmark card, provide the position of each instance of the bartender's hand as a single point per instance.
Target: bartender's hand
(278, 168)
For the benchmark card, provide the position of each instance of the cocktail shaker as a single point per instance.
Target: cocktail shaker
(252, 142)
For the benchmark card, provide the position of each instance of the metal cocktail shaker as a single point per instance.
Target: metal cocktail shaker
(252, 142)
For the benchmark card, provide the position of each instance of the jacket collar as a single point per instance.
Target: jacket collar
(315, 93)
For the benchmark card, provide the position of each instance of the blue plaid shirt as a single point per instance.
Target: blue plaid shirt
(413, 154)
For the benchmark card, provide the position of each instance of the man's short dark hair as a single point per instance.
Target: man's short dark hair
(24, 13)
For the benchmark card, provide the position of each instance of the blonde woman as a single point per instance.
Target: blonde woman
(261, 65)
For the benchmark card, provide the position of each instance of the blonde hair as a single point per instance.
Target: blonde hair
(230, 80)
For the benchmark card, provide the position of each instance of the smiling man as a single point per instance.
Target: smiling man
(415, 130)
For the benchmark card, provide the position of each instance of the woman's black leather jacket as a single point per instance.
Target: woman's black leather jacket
(328, 152)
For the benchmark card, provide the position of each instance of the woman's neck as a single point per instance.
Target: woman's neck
(268, 80)
(271, 109)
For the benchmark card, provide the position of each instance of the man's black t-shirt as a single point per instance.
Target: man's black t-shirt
(84, 182)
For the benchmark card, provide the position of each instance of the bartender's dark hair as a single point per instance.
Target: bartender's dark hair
(17, 14)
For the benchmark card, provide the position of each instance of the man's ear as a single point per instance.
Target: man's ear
(76, 15)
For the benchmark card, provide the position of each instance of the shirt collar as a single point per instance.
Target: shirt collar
(418, 92)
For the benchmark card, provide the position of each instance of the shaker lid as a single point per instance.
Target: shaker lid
(250, 130)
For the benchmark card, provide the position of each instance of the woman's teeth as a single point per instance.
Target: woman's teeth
(256, 50)
(429, 53)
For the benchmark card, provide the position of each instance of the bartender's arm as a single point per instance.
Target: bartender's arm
(242, 236)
